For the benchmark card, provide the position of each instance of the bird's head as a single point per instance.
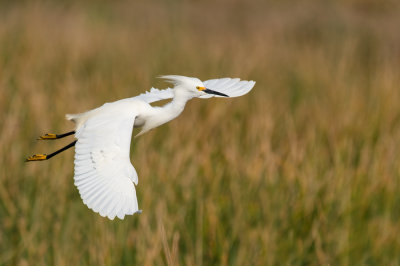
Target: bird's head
(192, 87)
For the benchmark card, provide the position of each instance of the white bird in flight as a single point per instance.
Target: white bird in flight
(104, 174)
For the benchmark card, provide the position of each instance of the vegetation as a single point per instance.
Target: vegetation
(303, 170)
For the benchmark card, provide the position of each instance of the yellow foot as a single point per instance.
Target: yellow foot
(48, 136)
(37, 157)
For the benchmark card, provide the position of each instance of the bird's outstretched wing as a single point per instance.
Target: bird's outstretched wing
(231, 87)
(155, 95)
(104, 174)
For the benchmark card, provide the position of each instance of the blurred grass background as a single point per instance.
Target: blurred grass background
(303, 170)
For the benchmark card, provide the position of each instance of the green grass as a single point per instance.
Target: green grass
(303, 170)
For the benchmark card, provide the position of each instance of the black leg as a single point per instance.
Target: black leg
(51, 136)
(42, 157)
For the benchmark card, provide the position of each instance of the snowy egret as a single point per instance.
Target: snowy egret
(104, 174)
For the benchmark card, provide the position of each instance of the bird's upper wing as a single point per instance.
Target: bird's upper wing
(231, 87)
(155, 95)
(104, 174)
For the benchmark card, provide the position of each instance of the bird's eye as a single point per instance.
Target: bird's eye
(200, 88)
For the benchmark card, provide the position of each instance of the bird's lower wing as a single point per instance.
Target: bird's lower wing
(104, 174)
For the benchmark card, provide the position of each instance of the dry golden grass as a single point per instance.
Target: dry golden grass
(303, 170)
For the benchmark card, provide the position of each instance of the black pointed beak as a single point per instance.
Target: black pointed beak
(215, 92)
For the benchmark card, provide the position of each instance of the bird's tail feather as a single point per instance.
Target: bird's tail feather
(78, 119)
(71, 117)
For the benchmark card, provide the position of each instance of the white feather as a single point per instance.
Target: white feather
(103, 171)
(231, 87)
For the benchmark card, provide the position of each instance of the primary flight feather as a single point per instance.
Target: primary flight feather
(104, 174)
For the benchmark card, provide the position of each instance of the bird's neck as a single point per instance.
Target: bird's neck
(167, 112)
(176, 106)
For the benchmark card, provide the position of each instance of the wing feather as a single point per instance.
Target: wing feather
(155, 95)
(233, 87)
(104, 174)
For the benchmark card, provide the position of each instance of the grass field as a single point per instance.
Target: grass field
(304, 170)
